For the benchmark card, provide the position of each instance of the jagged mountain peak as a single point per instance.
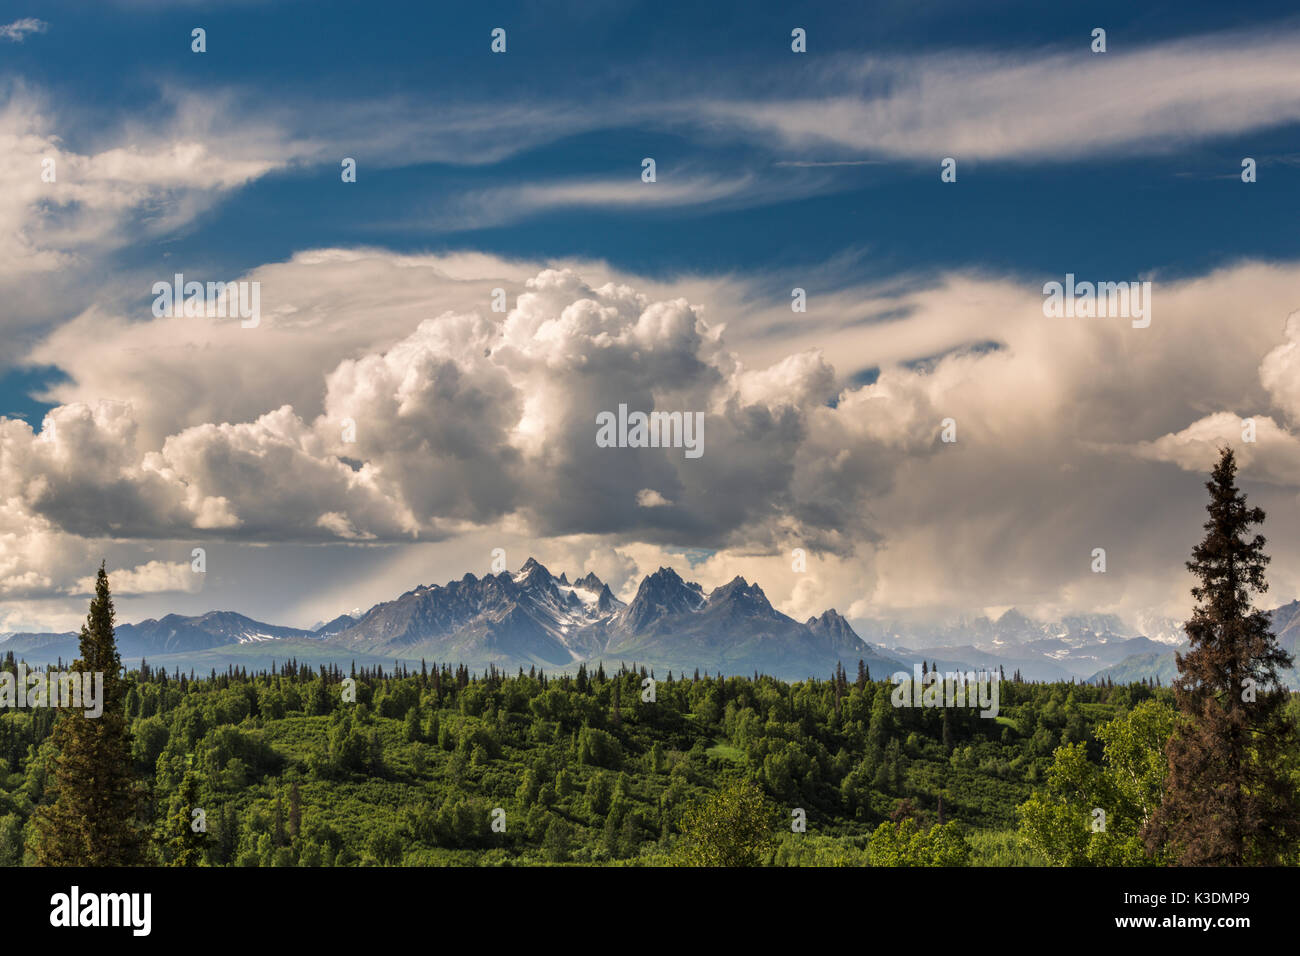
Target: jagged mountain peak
(666, 581)
(590, 582)
(606, 601)
(533, 570)
(833, 626)
(661, 595)
(829, 618)
(664, 574)
(340, 623)
(740, 590)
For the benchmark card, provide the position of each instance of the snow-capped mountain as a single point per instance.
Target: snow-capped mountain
(1010, 630)
(1160, 662)
(214, 629)
(1076, 646)
(661, 597)
(170, 635)
(340, 623)
(532, 617)
(529, 616)
(1163, 630)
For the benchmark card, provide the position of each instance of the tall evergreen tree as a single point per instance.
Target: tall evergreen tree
(182, 843)
(1228, 800)
(91, 817)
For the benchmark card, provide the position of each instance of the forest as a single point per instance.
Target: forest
(579, 768)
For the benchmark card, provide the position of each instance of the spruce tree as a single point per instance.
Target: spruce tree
(411, 731)
(1228, 801)
(183, 844)
(91, 816)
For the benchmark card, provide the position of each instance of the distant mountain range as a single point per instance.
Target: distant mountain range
(1074, 647)
(533, 618)
(1084, 647)
(528, 618)
(1149, 665)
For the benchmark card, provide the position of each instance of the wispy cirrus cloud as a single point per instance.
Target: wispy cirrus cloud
(978, 105)
(1052, 106)
(19, 29)
(1034, 106)
(59, 204)
(495, 205)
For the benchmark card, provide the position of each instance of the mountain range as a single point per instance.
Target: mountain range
(1082, 647)
(1075, 647)
(533, 618)
(1285, 624)
(522, 619)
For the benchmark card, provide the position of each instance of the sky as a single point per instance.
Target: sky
(380, 426)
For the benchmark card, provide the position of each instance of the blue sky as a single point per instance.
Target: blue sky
(774, 169)
(1149, 209)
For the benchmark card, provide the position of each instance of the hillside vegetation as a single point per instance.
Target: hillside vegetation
(288, 771)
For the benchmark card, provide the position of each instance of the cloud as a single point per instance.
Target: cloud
(150, 173)
(39, 561)
(675, 190)
(1272, 454)
(382, 401)
(1266, 449)
(469, 427)
(649, 498)
(62, 207)
(154, 577)
(462, 422)
(1280, 370)
(19, 29)
(319, 309)
(1057, 105)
